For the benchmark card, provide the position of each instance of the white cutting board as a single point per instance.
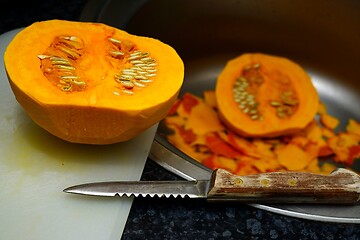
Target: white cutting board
(35, 167)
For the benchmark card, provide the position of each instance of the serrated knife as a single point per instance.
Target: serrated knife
(340, 187)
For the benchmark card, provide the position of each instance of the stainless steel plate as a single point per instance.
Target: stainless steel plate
(323, 36)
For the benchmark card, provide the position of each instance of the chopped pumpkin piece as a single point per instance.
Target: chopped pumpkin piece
(220, 147)
(189, 101)
(239, 143)
(245, 166)
(327, 168)
(321, 108)
(329, 121)
(267, 164)
(327, 133)
(353, 127)
(314, 134)
(292, 157)
(325, 151)
(175, 120)
(203, 119)
(227, 163)
(341, 145)
(215, 162)
(264, 149)
(210, 99)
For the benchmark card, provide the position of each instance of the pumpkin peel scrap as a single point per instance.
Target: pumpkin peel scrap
(300, 151)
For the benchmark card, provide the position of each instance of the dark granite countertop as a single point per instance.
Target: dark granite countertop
(179, 218)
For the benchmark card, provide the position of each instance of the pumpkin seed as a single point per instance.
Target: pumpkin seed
(127, 91)
(136, 69)
(146, 59)
(135, 53)
(291, 102)
(287, 93)
(71, 43)
(275, 103)
(65, 67)
(146, 67)
(117, 53)
(145, 54)
(254, 116)
(69, 38)
(152, 64)
(55, 58)
(251, 102)
(280, 114)
(146, 81)
(253, 111)
(133, 58)
(127, 84)
(66, 88)
(140, 64)
(123, 77)
(69, 77)
(128, 72)
(256, 65)
(139, 84)
(247, 68)
(140, 77)
(64, 82)
(70, 53)
(115, 41)
(136, 62)
(150, 75)
(77, 82)
(60, 62)
(41, 56)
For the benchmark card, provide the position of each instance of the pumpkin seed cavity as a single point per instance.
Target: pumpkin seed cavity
(57, 63)
(137, 67)
(140, 68)
(286, 105)
(245, 89)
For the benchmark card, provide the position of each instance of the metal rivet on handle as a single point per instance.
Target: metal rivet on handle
(238, 181)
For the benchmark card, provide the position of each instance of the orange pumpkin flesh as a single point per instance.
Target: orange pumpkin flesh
(260, 95)
(92, 83)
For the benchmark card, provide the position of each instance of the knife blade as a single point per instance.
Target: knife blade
(340, 187)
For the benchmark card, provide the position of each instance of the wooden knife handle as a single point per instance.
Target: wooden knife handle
(340, 187)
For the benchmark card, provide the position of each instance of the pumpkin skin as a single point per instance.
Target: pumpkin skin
(77, 80)
(284, 99)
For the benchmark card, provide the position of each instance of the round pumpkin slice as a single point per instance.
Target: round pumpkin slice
(260, 95)
(92, 83)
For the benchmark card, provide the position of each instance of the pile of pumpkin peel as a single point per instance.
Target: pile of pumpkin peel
(199, 132)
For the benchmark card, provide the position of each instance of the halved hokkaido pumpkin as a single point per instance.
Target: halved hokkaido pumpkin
(260, 95)
(92, 83)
